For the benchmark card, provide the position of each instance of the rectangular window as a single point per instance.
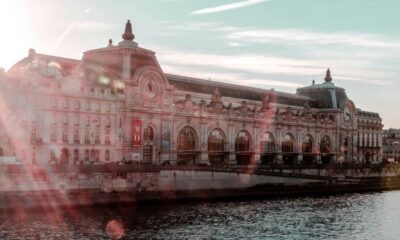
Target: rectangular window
(87, 137)
(76, 137)
(65, 136)
(97, 137)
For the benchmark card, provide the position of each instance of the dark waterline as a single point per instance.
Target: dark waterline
(350, 216)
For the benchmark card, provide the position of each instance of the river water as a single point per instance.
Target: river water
(351, 216)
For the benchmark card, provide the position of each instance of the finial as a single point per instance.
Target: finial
(110, 43)
(128, 36)
(328, 77)
(31, 53)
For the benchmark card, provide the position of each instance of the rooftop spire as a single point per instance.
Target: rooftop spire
(328, 77)
(128, 36)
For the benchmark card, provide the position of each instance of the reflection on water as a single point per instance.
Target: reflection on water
(353, 216)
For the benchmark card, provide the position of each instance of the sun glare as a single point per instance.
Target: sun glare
(12, 33)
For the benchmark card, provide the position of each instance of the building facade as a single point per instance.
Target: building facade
(391, 145)
(116, 104)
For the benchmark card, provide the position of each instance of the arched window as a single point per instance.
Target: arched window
(307, 145)
(186, 146)
(187, 139)
(326, 145)
(307, 149)
(216, 141)
(242, 148)
(288, 143)
(148, 134)
(216, 148)
(242, 143)
(267, 143)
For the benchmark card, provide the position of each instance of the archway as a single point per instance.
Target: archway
(325, 150)
(242, 148)
(186, 146)
(267, 148)
(288, 144)
(216, 148)
(307, 149)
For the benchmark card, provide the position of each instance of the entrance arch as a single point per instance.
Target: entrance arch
(187, 146)
(216, 148)
(242, 148)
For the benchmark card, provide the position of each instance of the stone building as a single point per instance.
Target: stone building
(391, 145)
(116, 104)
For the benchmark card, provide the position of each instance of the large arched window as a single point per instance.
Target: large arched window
(186, 146)
(325, 149)
(242, 143)
(325, 146)
(216, 141)
(288, 143)
(187, 139)
(307, 149)
(267, 148)
(307, 145)
(242, 147)
(216, 148)
(267, 143)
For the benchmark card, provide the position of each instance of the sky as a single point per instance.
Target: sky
(280, 44)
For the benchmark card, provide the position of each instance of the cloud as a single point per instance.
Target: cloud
(288, 36)
(235, 44)
(299, 36)
(227, 7)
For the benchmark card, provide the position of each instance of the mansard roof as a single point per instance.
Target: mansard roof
(66, 65)
(196, 85)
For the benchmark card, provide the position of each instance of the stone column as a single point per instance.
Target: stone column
(173, 136)
(203, 146)
(278, 146)
(231, 145)
(299, 146)
(256, 145)
(126, 70)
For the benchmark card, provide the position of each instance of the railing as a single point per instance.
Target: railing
(18, 168)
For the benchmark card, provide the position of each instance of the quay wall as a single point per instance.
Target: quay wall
(30, 188)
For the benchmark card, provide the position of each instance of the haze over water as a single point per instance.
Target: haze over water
(352, 216)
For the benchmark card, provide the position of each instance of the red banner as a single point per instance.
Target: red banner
(136, 133)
